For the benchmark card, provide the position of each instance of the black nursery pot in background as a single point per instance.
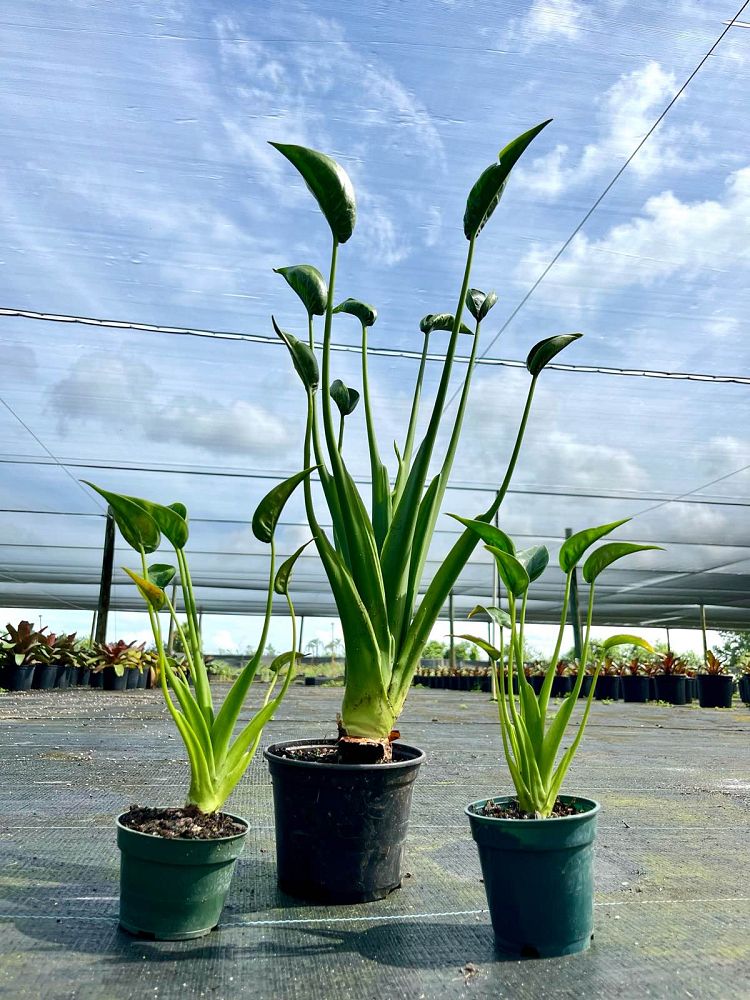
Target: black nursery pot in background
(715, 690)
(607, 688)
(45, 676)
(634, 687)
(341, 828)
(745, 688)
(586, 683)
(20, 678)
(561, 686)
(113, 681)
(672, 688)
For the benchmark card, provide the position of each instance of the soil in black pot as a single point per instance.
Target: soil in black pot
(511, 810)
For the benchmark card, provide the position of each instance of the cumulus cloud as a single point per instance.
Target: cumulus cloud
(627, 111)
(669, 237)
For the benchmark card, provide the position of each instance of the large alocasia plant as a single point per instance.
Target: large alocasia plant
(375, 559)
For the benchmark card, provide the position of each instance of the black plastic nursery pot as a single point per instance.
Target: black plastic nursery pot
(607, 687)
(745, 688)
(635, 687)
(672, 688)
(536, 681)
(19, 678)
(45, 676)
(63, 676)
(561, 686)
(96, 680)
(132, 676)
(84, 676)
(174, 890)
(341, 828)
(586, 683)
(539, 878)
(715, 690)
(114, 681)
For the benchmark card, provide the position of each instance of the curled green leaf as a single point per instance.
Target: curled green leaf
(309, 284)
(344, 397)
(627, 640)
(303, 358)
(281, 580)
(268, 511)
(441, 321)
(365, 313)
(161, 575)
(153, 596)
(542, 353)
(487, 532)
(479, 303)
(487, 191)
(535, 560)
(170, 522)
(573, 548)
(492, 651)
(497, 615)
(609, 553)
(136, 525)
(512, 571)
(328, 183)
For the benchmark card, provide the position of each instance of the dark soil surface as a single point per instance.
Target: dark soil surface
(188, 823)
(511, 810)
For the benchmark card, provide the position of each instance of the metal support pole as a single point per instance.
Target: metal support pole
(452, 640)
(105, 583)
(301, 631)
(576, 618)
(703, 630)
(93, 626)
(669, 644)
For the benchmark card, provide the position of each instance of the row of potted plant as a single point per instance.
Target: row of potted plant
(36, 659)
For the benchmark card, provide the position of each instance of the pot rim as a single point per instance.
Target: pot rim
(270, 753)
(577, 817)
(185, 840)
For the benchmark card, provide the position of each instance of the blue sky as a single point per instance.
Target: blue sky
(137, 183)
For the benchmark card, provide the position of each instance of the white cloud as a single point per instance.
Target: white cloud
(627, 111)
(670, 237)
(548, 18)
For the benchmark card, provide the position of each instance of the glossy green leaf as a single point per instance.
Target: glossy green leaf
(609, 553)
(441, 321)
(512, 571)
(535, 559)
(309, 284)
(136, 525)
(365, 313)
(179, 508)
(171, 524)
(573, 548)
(479, 303)
(269, 510)
(492, 651)
(542, 353)
(328, 183)
(487, 532)
(279, 662)
(303, 358)
(500, 617)
(344, 397)
(281, 581)
(487, 191)
(161, 575)
(627, 640)
(153, 596)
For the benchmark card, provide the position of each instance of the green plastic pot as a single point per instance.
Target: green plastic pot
(174, 890)
(539, 878)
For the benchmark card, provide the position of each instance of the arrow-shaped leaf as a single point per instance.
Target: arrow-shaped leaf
(268, 511)
(535, 560)
(328, 183)
(441, 321)
(609, 553)
(309, 284)
(487, 532)
(479, 303)
(573, 548)
(365, 313)
(500, 617)
(512, 571)
(281, 581)
(136, 525)
(344, 397)
(303, 358)
(542, 353)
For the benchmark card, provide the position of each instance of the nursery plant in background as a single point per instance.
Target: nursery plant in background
(176, 863)
(715, 683)
(24, 648)
(375, 558)
(536, 847)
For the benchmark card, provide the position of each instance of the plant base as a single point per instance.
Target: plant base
(174, 890)
(341, 828)
(539, 878)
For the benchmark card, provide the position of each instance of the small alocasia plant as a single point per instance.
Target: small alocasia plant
(375, 559)
(216, 761)
(532, 744)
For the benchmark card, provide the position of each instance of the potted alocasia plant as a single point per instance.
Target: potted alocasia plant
(176, 863)
(375, 560)
(536, 847)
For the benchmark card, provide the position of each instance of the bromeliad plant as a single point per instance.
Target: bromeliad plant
(531, 742)
(217, 762)
(376, 558)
